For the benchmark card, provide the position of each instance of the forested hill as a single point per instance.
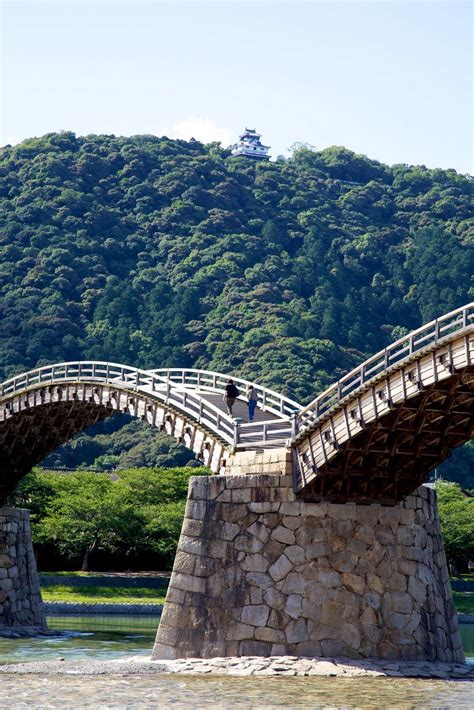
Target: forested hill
(159, 252)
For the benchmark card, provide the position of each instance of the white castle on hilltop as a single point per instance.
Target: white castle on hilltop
(249, 144)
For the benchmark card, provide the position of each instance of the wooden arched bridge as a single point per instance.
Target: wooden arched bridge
(373, 435)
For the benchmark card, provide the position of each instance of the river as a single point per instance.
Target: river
(113, 636)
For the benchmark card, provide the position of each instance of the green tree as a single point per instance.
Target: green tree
(456, 511)
(132, 520)
(79, 519)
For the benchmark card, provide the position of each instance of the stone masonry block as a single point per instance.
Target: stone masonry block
(233, 482)
(260, 531)
(225, 496)
(239, 632)
(193, 528)
(259, 579)
(265, 633)
(193, 545)
(280, 568)
(184, 562)
(195, 509)
(293, 605)
(230, 531)
(254, 648)
(255, 615)
(282, 534)
(263, 507)
(188, 583)
(233, 512)
(295, 554)
(293, 508)
(206, 488)
(241, 495)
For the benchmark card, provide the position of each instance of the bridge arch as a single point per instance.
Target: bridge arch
(43, 408)
(376, 433)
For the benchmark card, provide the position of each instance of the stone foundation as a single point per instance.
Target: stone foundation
(277, 461)
(20, 597)
(259, 572)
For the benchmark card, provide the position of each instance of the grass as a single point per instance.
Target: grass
(100, 574)
(463, 577)
(464, 602)
(93, 594)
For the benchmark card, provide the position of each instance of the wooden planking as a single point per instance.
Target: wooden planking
(425, 374)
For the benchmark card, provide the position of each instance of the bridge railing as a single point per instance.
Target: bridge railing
(394, 355)
(263, 432)
(132, 379)
(212, 382)
(182, 389)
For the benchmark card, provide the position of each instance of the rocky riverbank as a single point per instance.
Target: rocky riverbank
(251, 666)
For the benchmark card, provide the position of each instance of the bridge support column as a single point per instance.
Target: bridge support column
(260, 572)
(21, 606)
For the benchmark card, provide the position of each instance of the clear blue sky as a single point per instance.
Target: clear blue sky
(389, 79)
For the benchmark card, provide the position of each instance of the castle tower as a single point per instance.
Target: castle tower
(250, 146)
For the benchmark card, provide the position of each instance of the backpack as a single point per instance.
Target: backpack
(233, 391)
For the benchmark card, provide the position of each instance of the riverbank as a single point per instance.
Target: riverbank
(84, 608)
(251, 666)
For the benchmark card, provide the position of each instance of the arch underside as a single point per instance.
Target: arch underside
(393, 455)
(27, 437)
(34, 424)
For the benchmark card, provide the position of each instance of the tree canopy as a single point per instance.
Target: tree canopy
(456, 511)
(87, 518)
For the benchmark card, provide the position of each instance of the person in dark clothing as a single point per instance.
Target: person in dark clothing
(230, 395)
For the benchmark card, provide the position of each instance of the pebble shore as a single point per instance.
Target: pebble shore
(251, 666)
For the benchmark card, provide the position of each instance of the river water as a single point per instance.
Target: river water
(113, 636)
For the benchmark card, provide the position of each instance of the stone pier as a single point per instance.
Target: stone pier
(21, 606)
(259, 572)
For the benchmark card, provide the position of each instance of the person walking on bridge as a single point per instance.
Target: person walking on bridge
(230, 395)
(252, 401)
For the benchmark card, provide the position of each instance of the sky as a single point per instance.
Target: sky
(389, 79)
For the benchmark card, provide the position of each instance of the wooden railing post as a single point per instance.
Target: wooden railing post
(237, 422)
(294, 424)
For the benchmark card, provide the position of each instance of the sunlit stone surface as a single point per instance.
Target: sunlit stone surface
(260, 573)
